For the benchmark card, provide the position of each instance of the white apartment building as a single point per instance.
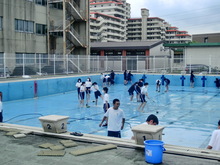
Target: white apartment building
(175, 36)
(34, 28)
(108, 20)
(154, 28)
(106, 28)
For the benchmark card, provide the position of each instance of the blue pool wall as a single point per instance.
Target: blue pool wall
(25, 89)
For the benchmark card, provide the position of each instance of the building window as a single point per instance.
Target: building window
(205, 39)
(41, 29)
(1, 25)
(42, 58)
(28, 58)
(178, 58)
(57, 5)
(19, 58)
(41, 2)
(24, 26)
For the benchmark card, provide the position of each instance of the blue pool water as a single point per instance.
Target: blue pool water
(189, 114)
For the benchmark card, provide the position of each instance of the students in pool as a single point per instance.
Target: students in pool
(106, 104)
(82, 93)
(158, 83)
(129, 77)
(97, 93)
(131, 91)
(88, 91)
(125, 77)
(78, 85)
(192, 79)
(112, 76)
(142, 97)
(138, 89)
(167, 83)
(217, 83)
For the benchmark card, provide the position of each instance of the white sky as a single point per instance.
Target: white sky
(194, 16)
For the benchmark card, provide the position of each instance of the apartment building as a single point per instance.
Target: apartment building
(154, 28)
(33, 28)
(108, 20)
(175, 36)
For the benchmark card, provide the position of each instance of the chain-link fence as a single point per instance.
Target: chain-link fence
(44, 64)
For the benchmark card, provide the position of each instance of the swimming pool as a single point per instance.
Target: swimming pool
(189, 114)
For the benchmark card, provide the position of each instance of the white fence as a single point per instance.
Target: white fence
(43, 64)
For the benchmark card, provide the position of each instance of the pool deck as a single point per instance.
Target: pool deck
(23, 151)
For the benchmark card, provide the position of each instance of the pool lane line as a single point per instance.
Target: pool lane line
(18, 121)
(208, 100)
(39, 114)
(83, 118)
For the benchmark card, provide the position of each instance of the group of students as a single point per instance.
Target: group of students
(141, 89)
(108, 79)
(114, 116)
(127, 77)
(85, 88)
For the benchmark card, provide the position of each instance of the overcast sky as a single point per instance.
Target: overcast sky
(194, 16)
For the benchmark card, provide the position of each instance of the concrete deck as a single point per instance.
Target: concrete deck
(23, 151)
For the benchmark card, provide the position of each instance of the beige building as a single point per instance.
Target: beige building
(33, 28)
